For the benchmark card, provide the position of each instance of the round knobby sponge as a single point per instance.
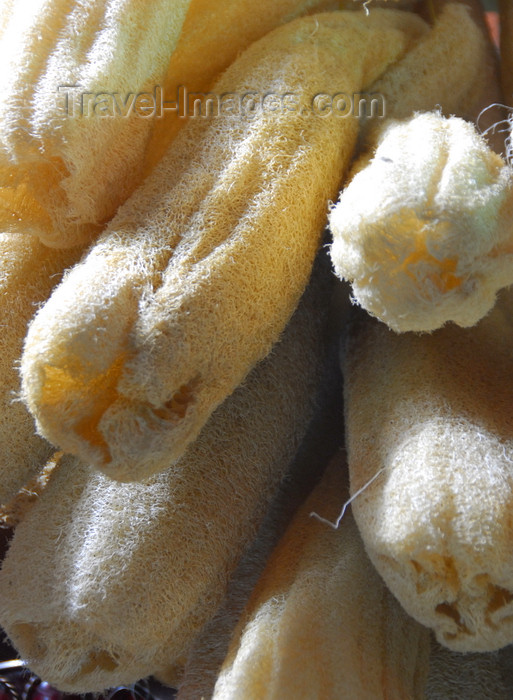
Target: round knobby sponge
(423, 232)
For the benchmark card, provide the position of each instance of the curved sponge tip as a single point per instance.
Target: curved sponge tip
(423, 232)
(430, 414)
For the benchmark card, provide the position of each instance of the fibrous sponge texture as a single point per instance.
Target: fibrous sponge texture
(212, 38)
(453, 676)
(72, 132)
(130, 572)
(28, 272)
(433, 413)
(320, 622)
(445, 69)
(199, 272)
(424, 231)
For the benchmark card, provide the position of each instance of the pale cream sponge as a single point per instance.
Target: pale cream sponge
(424, 231)
(320, 622)
(199, 272)
(28, 272)
(63, 173)
(65, 168)
(430, 446)
(127, 574)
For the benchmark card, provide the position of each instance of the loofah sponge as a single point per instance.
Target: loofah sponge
(28, 272)
(206, 655)
(454, 676)
(212, 38)
(322, 440)
(446, 69)
(320, 623)
(433, 413)
(67, 161)
(201, 269)
(209, 649)
(12, 512)
(129, 573)
(434, 242)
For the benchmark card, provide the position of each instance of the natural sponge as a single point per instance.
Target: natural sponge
(129, 573)
(450, 68)
(73, 130)
(320, 622)
(428, 419)
(199, 272)
(424, 232)
(211, 39)
(453, 676)
(28, 272)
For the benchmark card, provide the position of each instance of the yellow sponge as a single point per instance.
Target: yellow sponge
(447, 68)
(321, 623)
(129, 573)
(212, 38)
(428, 417)
(199, 272)
(424, 232)
(73, 129)
(28, 272)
